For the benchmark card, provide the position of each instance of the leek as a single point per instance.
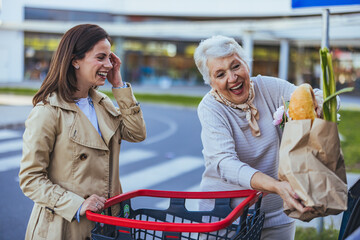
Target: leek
(329, 86)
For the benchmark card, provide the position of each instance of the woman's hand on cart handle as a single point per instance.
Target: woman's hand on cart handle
(93, 203)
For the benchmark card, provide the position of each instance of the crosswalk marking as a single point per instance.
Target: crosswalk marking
(10, 163)
(128, 156)
(145, 178)
(140, 179)
(6, 134)
(135, 155)
(132, 155)
(11, 145)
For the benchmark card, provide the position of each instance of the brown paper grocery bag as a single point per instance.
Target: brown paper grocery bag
(312, 162)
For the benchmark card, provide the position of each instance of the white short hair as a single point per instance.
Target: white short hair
(216, 47)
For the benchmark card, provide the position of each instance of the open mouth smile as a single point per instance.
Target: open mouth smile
(237, 87)
(102, 74)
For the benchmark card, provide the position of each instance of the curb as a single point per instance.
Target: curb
(12, 126)
(15, 100)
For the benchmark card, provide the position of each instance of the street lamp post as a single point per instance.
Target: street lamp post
(324, 43)
(325, 28)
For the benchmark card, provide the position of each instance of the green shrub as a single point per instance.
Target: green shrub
(311, 234)
(350, 131)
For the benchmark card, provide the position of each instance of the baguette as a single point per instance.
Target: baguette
(302, 103)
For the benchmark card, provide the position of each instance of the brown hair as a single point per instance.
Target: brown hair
(61, 76)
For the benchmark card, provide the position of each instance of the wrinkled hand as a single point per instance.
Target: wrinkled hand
(290, 198)
(93, 203)
(114, 76)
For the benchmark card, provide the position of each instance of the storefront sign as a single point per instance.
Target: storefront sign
(322, 3)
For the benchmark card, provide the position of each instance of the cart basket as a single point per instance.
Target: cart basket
(176, 222)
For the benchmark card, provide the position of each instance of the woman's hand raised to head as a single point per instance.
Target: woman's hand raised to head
(93, 203)
(114, 76)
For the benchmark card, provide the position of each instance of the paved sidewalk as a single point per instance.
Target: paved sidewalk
(14, 110)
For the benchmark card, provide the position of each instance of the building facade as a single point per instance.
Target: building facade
(156, 39)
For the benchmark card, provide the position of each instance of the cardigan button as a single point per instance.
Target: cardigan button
(83, 156)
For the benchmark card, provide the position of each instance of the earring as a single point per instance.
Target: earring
(77, 66)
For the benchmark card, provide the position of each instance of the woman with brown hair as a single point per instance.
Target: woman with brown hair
(73, 135)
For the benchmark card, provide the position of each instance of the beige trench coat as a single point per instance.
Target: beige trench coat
(65, 160)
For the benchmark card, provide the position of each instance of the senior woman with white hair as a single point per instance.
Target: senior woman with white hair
(240, 143)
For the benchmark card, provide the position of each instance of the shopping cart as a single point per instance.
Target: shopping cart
(176, 222)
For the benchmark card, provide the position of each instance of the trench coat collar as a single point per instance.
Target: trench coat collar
(82, 130)
(100, 98)
(103, 108)
(55, 100)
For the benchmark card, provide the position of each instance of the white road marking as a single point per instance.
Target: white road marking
(135, 155)
(11, 145)
(6, 133)
(172, 128)
(143, 179)
(10, 163)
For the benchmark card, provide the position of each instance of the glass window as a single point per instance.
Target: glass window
(162, 63)
(305, 66)
(266, 60)
(38, 50)
(66, 15)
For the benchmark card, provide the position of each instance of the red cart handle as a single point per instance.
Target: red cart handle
(252, 196)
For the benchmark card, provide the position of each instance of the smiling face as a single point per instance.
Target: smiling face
(93, 68)
(230, 77)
